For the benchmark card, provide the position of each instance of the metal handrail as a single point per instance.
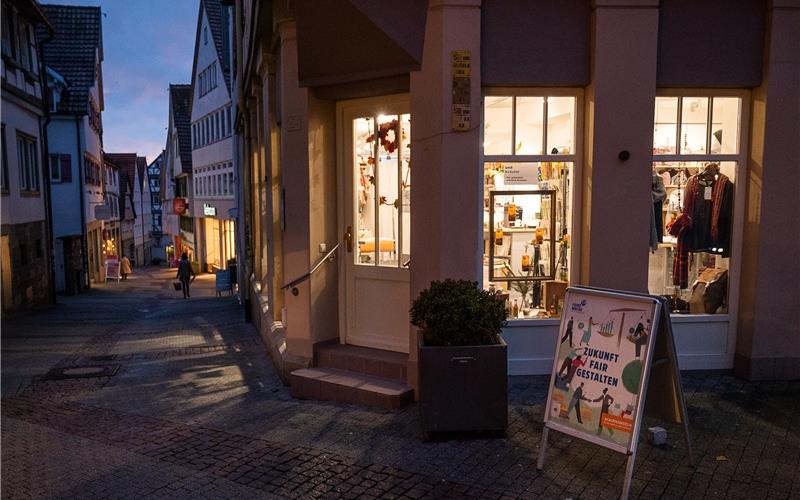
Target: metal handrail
(293, 284)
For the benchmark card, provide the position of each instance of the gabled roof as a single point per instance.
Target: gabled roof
(77, 42)
(180, 98)
(216, 21)
(127, 163)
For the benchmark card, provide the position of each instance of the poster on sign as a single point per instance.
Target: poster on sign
(113, 270)
(599, 365)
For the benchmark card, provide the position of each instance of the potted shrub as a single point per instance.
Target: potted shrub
(463, 373)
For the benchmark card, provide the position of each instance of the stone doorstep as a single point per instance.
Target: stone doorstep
(330, 384)
(374, 362)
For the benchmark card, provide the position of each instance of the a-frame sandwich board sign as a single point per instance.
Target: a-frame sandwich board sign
(615, 359)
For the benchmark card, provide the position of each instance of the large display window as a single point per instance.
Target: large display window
(529, 153)
(696, 166)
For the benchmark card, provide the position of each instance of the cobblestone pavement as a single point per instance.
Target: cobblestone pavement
(195, 410)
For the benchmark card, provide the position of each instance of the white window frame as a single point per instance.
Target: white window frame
(741, 160)
(576, 158)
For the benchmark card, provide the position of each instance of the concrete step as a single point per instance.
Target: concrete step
(374, 362)
(330, 384)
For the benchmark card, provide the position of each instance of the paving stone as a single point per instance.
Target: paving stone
(196, 410)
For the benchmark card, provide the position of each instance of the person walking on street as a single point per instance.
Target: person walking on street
(125, 267)
(185, 274)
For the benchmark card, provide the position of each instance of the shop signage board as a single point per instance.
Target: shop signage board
(113, 270)
(520, 173)
(179, 206)
(615, 356)
(102, 212)
(461, 63)
(223, 281)
(209, 210)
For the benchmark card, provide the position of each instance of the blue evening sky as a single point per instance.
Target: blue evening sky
(147, 45)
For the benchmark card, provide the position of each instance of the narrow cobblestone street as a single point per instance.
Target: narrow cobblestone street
(189, 406)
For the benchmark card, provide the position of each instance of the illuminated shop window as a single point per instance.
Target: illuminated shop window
(695, 164)
(529, 157)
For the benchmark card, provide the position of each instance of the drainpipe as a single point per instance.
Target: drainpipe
(48, 196)
(81, 189)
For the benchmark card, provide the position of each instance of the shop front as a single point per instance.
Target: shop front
(590, 156)
(218, 239)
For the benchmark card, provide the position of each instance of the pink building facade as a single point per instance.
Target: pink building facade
(550, 144)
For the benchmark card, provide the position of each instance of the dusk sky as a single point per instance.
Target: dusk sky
(147, 45)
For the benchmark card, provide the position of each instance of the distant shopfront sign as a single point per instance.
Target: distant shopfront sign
(179, 206)
(209, 210)
(102, 212)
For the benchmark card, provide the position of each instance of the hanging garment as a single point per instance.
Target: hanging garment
(659, 194)
(704, 225)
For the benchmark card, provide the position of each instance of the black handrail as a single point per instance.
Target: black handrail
(293, 284)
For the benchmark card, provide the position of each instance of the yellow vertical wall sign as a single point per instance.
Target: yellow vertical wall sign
(460, 70)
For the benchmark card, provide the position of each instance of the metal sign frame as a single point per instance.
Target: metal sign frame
(662, 326)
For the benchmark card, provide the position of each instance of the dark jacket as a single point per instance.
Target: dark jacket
(185, 270)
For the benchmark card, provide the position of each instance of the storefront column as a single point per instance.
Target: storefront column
(294, 156)
(446, 194)
(768, 340)
(619, 136)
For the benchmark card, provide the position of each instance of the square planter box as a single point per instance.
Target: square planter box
(463, 388)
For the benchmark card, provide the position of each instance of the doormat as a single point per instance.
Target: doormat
(81, 371)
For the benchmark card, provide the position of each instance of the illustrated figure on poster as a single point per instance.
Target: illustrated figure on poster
(587, 332)
(568, 332)
(575, 402)
(639, 337)
(607, 401)
(565, 365)
(576, 363)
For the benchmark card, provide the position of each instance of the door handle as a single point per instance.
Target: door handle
(348, 238)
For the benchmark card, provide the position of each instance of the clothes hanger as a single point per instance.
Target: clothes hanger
(711, 169)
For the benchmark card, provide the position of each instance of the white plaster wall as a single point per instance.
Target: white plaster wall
(62, 139)
(17, 209)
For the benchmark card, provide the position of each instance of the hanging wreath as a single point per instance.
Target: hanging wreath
(388, 142)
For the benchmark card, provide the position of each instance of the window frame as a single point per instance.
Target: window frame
(28, 164)
(55, 171)
(576, 158)
(4, 178)
(739, 195)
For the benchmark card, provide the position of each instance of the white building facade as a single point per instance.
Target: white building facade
(26, 263)
(213, 175)
(75, 135)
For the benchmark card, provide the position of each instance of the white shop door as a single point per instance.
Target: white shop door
(375, 221)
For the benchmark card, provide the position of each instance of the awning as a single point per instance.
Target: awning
(342, 41)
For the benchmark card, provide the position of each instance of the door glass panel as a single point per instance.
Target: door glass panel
(694, 125)
(405, 185)
(387, 182)
(364, 188)
(382, 187)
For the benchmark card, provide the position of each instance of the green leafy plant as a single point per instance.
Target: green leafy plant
(458, 313)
